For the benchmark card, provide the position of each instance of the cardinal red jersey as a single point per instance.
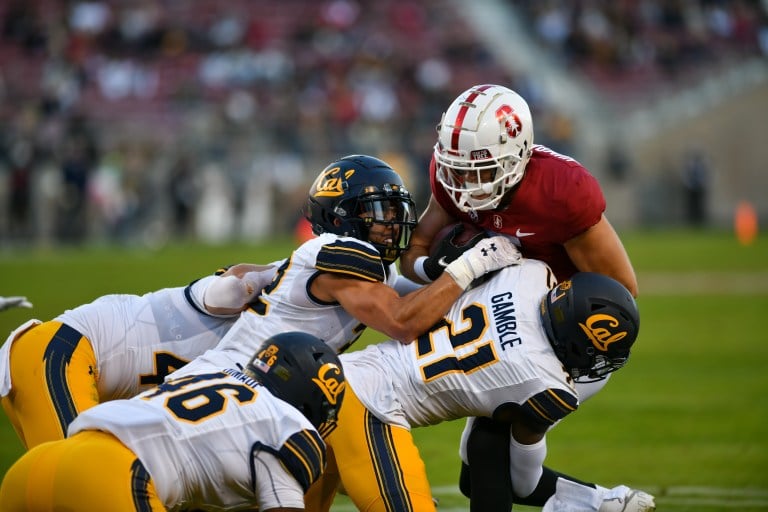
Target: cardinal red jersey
(556, 200)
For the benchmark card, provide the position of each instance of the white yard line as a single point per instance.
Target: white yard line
(688, 496)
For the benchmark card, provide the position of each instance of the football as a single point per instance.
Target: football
(460, 240)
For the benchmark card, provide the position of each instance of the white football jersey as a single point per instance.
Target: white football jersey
(139, 339)
(490, 349)
(286, 304)
(216, 441)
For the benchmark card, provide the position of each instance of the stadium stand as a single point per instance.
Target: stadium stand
(104, 102)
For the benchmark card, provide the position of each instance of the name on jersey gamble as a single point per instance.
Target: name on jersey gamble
(505, 320)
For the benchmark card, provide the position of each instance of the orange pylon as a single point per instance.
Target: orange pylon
(745, 223)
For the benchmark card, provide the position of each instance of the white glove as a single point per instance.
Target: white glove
(14, 302)
(486, 256)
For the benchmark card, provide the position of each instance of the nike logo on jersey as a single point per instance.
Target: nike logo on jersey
(521, 234)
(442, 262)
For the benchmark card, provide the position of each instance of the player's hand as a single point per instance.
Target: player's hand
(14, 302)
(448, 249)
(486, 256)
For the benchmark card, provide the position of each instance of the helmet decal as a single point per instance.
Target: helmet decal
(266, 358)
(558, 292)
(480, 154)
(329, 184)
(512, 123)
(599, 335)
(328, 382)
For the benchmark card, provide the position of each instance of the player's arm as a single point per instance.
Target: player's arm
(405, 317)
(380, 307)
(275, 486)
(599, 249)
(229, 293)
(430, 223)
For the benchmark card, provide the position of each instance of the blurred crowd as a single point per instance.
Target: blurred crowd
(147, 120)
(630, 46)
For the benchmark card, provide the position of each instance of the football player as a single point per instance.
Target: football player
(228, 439)
(115, 347)
(486, 171)
(345, 279)
(509, 350)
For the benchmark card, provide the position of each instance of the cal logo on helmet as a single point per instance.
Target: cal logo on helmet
(330, 183)
(328, 381)
(599, 329)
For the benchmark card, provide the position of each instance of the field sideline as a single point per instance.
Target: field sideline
(686, 419)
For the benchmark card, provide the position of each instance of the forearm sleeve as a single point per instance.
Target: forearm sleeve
(228, 292)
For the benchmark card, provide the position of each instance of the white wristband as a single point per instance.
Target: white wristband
(461, 272)
(418, 268)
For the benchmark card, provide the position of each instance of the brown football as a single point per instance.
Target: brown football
(462, 238)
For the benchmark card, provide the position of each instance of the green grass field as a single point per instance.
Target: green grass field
(687, 419)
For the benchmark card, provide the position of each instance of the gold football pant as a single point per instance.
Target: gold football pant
(89, 472)
(377, 464)
(53, 376)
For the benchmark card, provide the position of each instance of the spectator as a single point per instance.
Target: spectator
(695, 180)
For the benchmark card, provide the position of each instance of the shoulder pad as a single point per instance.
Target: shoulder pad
(303, 454)
(550, 406)
(351, 258)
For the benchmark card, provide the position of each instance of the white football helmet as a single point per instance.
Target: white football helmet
(483, 145)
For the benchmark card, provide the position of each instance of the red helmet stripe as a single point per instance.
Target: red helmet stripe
(463, 112)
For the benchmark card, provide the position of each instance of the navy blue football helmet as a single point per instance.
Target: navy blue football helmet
(302, 370)
(355, 193)
(591, 321)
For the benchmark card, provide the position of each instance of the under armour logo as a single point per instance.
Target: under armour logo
(492, 247)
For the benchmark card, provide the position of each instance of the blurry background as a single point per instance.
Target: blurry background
(149, 121)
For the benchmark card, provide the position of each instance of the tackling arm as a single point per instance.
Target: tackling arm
(403, 318)
(380, 307)
(231, 292)
(430, 223)
(599, 249)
